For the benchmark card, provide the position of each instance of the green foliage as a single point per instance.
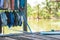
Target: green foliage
(50, 9)
(29, 10)
(58, 13)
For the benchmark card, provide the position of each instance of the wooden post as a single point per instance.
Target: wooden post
(0, 25)
(25, 11)
(0, 29)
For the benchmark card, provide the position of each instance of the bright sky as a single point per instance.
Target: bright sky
(34, 2)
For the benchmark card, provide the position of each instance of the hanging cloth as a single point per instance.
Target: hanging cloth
(20, 19)
(16, 4)
(10, 20)
(15, 18)
(12, 4)
(5, 4)
(22, 3)
(21, 9)
(3, 19)
(11, 16)
(9, 4)
(1, 3)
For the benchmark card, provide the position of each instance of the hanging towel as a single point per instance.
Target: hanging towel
(15, 18)
(11, 16)
(21, 3)
(12, 4)
(10, 20)
(5, 4)
(20, 19)
(4, 19)
(1, 3)
(8, 17)
(9, 4)
(16, 4)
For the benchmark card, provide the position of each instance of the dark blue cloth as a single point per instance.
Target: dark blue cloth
(11, 16)
(15, 18)
(10, 19)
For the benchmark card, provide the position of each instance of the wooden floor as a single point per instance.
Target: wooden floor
(36, 36)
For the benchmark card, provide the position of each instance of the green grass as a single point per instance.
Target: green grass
(43, 25)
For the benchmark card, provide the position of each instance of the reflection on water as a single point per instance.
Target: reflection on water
(44, 24)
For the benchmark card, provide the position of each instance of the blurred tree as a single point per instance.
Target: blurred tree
(52, 8)
(29, 10)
